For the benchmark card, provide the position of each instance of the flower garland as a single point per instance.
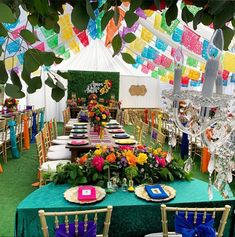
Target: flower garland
(142, 164)
(11, 103)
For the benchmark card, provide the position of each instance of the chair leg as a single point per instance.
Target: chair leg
(4, 154)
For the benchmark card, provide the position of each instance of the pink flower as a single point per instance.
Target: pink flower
(126, 147)
(98, 162)
(161, 161)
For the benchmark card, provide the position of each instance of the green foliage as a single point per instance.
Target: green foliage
(129, 37)
(28, 36)
(6, 15)
(130, 18)
(128, 58)
(117, 44)
(187, 16)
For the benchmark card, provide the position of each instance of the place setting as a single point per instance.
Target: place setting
(78, 136)
(78, 142)
(79, 131)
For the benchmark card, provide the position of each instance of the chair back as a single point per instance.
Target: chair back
(40, 148)
(55, 128)
(225, 212)
(77, 214)
(144, 132)
(161, 138)
(153, 136)
(3, 130)
(46, 137)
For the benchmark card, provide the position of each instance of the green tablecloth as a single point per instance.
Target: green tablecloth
(131, 217)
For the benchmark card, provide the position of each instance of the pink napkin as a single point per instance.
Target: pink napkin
(86, 193)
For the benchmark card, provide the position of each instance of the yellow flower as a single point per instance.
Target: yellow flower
(98, 152)
(157, 151)
(104, 116)
(142, 158)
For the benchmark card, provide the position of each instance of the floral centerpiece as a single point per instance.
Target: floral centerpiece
(92, 101)
(11, 104)
(71, 103)
(141, 164)
(99, 114)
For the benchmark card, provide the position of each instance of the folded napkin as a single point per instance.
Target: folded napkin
(156, 191)
(86, 193)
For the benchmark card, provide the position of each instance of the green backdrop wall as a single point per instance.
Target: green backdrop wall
(80, 79)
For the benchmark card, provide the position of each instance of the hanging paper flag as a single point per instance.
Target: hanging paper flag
(192, 62)
(193, 74)
(100, 33)
(202, 78)
(195, 83)
(91, 27)
(101, 2)
(152, 53)
(154, 74)
(60, 50)
(168, 29)
(64, 20)
(136, 65)
(190, 39)
(232, 79)
(47, 33)
(20, 58)
(12, 25)
(14, 46)
(157, 22)
(184, 81)
(165, 61)
(74, 46)
(173, 50)
(66, 33)
(158, 60)
(129, 52)
(170, 76)
(2, 40)
(144, 69)
(171, 68)
(40, 47)
(229, 61)
(145, 53)
(146, 35)
(202, 67)
(129, 30)
(150, 66)
(177, 35)
(139, 45)
(148, 13)
(161, 45)
(83, 38)
(11, 62)
(52, 42)
(139, 60)
(140, 12)
(225, 74)
(225, 82)
(66, 55)
(161, 71)
(164, 79)
(16, 33)
(171, 82)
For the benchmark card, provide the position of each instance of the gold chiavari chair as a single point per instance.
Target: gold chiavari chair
(55, 133)
(44, 164)
(153, 137)
(195, 212)
(144, 132)
(161, 138)
(78, 214)
(3, 139)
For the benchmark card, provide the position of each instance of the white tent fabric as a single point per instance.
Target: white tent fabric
(96, 57)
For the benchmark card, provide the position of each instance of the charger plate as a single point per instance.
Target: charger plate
(125, 141)
(78, 136)
(78, 142)
(71, 195)
(141, 193)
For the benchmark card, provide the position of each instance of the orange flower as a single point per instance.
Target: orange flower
(111, 158)
(164, 154)
(131, 158)
(83, 159)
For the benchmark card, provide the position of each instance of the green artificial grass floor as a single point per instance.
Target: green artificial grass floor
(19, 174)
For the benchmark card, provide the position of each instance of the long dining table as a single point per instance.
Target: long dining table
(131, 216)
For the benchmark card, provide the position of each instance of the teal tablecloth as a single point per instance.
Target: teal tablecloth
(131, 217)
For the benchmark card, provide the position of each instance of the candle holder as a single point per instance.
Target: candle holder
(206, 110)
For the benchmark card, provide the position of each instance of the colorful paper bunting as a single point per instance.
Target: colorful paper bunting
(21, 58)
(145, 53)
(225, 82)
(139, 45)
(154, 74)
(158, 60)
(195, 83)
(150, 66)
(136, 65)
(66, 55)
(146, 35)
(40, 47)
(139, 60)
(144, 69)
(157, 22)
(168, 29)
(60, 50)
(232, 79)
(52, 42)
(13, 46)
(160, 44)
(148, 13)
(11, 62)
(225, 74)
(191, 40)
(12, 25)
(161, 71)
(193, 74)
(2, 40)
(165, 61)
(229, 61)
(66, 33)
(16, 33)
(47, 33)
(140, 12)
(177, 35)
(192, 62)
(164, 79)
(152, 53)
